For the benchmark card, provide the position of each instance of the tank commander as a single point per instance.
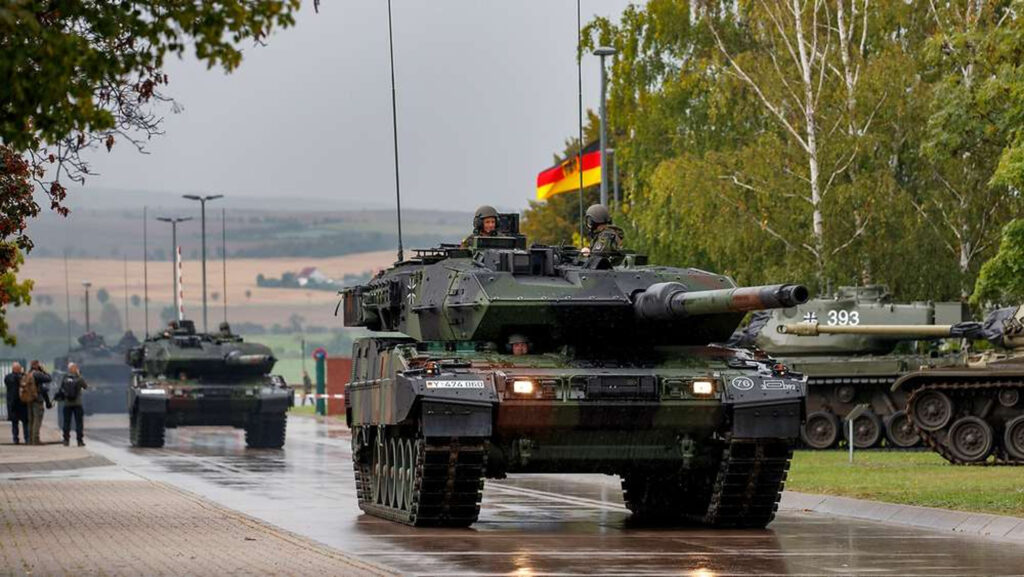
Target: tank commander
(519, 345)
(225, 330)
(485, 223)
(604, 236)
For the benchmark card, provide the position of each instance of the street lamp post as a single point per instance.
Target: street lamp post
(615, 177)
(174, 251)
(86, 284)
(202, 202)
(603, 52)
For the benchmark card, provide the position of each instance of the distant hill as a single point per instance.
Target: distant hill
(108, 224)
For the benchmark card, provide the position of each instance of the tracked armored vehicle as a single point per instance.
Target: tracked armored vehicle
(105, 370)
(497, 358)
(851, 369)
(183, 378)
(970, 413)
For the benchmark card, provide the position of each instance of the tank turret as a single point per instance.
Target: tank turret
(104, 368)
(499, 358)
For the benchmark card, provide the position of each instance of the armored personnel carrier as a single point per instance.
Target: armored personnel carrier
(183, 378)
(970, 413)
(496, 358)
(104, 369)
(849, 369)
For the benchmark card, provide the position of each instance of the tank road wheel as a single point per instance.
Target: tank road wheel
(398, 449)
(1009, 397)
(377, 471)
(146, 430)
(820, 431)
(846, 393)
(931, 411)
(867, 430)
(1013, 439)
(411, 450)
(970, 439)
(900, 431)
(266, 431)
(389, 473)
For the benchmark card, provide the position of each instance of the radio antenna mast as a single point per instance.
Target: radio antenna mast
(394, 126)
(579, 94)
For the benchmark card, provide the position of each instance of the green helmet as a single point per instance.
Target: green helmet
(597, 214)
(485, 211)
(518, 338)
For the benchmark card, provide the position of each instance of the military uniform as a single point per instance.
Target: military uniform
(608, 239)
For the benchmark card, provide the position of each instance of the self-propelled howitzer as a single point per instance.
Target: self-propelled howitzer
(618, 378)
(971, 412)
(184, 378)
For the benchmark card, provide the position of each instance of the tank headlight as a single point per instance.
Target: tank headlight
(703, 387)
(522, 387)
(152, 391)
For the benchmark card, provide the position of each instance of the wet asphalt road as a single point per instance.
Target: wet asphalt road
(529, 525)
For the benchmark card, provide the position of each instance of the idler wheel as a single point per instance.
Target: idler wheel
(1009, 397)
(821, 430)
(932, 411)
(867, 430)
(970, 439)
(1013, 439)
(900, 431)
(846, 393)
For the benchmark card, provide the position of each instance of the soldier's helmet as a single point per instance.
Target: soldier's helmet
(518, 338)
(597, 214)
(225, 328)
(485, 211)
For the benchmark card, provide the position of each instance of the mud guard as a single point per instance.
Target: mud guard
(275, 402)
(765, 407)
(151, 404)
(451, 419)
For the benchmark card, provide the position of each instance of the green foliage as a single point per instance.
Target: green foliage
(1002, 277)
(912, 111)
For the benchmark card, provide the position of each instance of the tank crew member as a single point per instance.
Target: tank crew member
(17, 411)
(519, 345)
(485, 223)
(604, 236)
(225, 330)
(35, 408)
(71, 387)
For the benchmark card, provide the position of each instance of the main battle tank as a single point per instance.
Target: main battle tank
(184, 378)
(619, 379)
(104, 369)
(971, 413)
(847, 370)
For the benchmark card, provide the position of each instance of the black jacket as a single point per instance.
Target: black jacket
(12, 382)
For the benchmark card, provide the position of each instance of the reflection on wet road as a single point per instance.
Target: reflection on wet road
(529, 525)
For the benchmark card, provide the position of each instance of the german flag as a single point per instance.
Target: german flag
(565, 176)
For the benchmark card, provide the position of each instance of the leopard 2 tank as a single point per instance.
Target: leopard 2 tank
(104, 369)
(183, 378)
(608, 369)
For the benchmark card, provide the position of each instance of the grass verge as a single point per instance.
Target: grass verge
(909, 478)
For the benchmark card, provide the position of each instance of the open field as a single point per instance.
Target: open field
(246, 301)
(909, 478)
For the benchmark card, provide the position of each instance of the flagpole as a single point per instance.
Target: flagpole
(579, 94)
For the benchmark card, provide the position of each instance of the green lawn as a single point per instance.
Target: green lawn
(911, 478)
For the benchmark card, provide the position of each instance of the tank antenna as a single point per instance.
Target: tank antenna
(224, 258)
(127, 325)
(579, 94)
(67, 297)
(145, 269)
(394, 126)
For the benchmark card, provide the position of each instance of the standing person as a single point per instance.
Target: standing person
(35, 409)
(71, 387)
(307, 389)
(17, 411)
(605, 237)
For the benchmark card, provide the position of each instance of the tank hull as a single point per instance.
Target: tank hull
(645, 425)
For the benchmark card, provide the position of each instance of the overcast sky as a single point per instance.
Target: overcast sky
(486, 92)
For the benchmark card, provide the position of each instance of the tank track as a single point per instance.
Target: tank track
(447, 483)
(741, 489)
(147, 431)
(959, 391)
(266, 432)
(749, 483)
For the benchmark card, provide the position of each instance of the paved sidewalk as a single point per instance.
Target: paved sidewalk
(76, 527)
(50, 456)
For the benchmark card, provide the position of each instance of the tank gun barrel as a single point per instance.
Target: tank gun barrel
(905, 331)
(671, 300)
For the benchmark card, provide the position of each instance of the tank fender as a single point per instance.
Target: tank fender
(150, 403)
(765, 405)
(274, 400)
(456, 405)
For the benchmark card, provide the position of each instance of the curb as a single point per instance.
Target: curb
(976, 524)
(92, 460)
